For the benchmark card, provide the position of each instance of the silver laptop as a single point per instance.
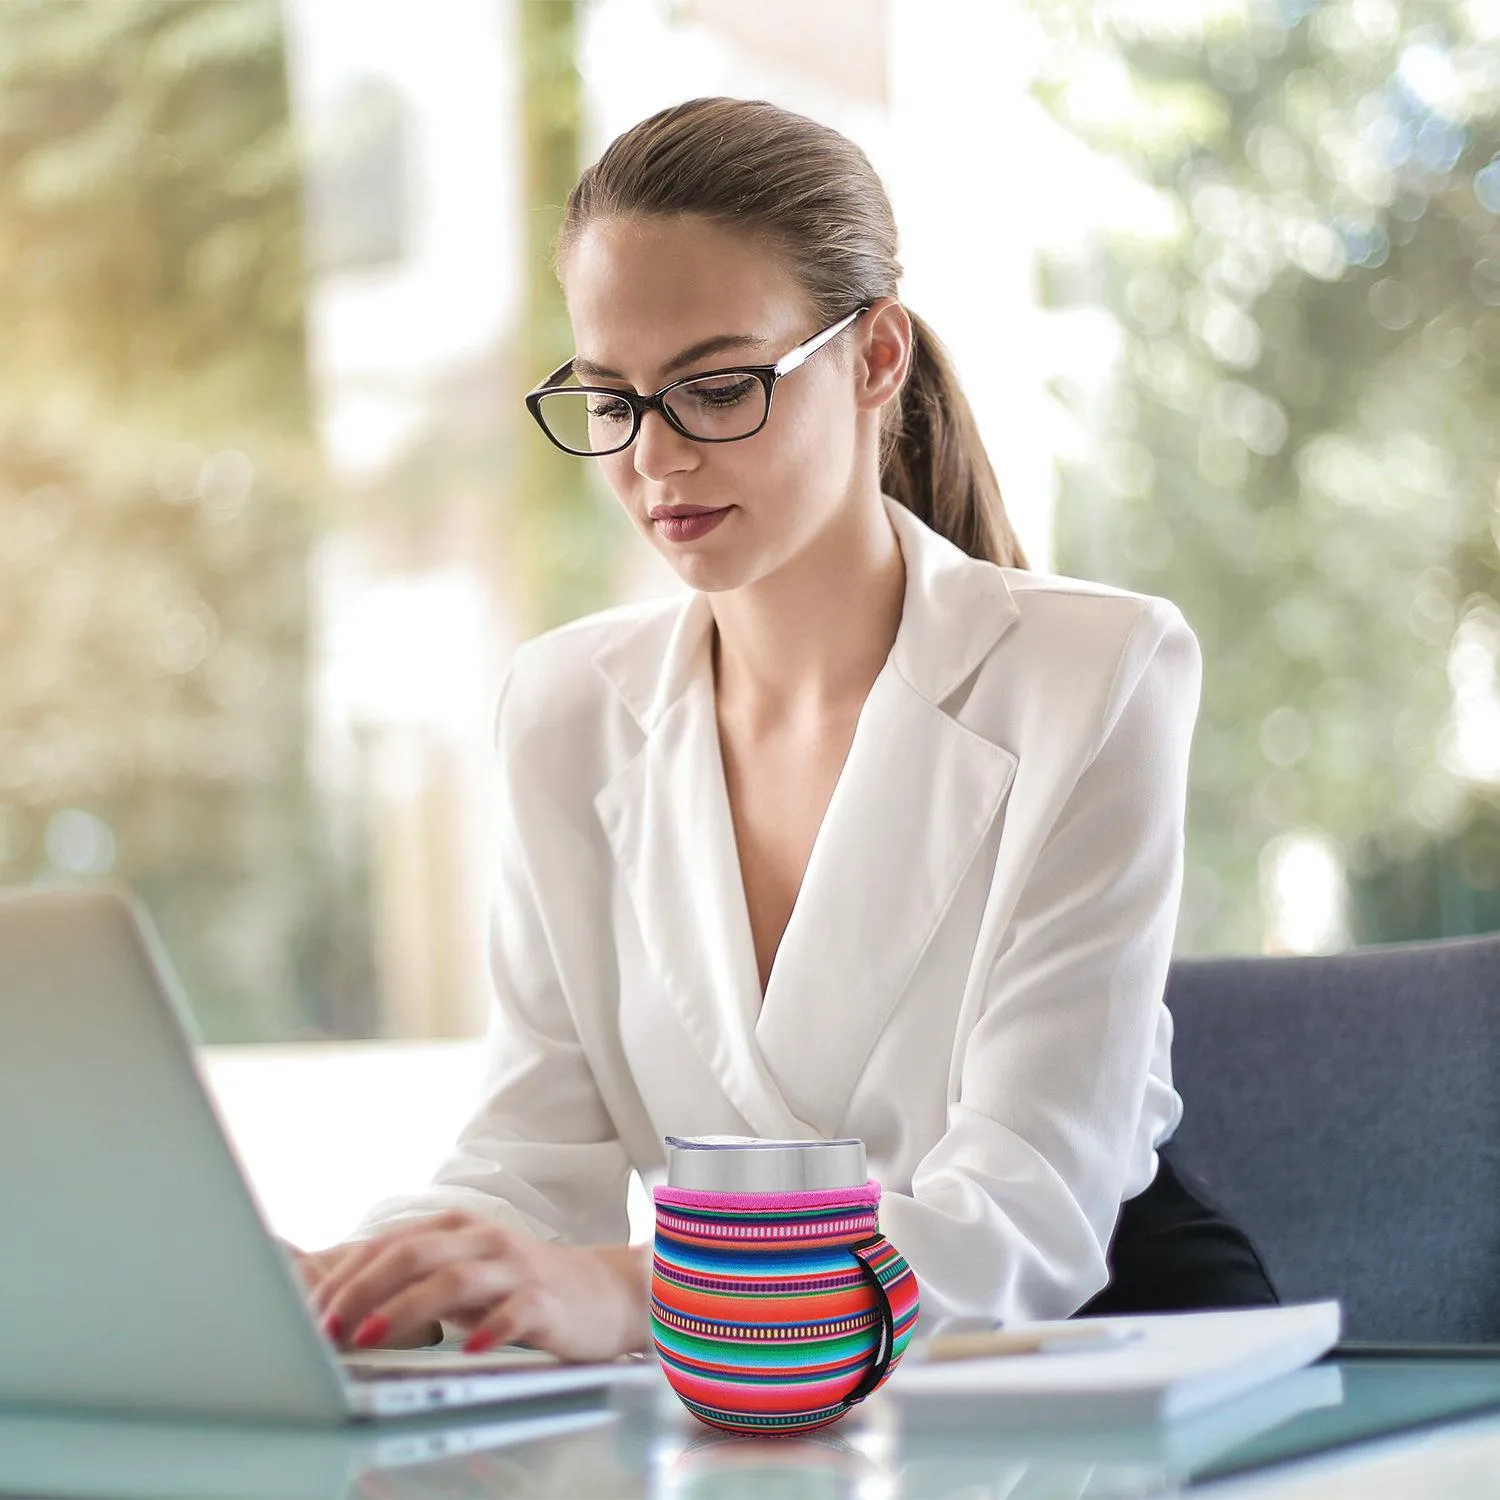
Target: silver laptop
(136, 1268)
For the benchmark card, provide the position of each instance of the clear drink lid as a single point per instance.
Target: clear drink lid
(752, 1164)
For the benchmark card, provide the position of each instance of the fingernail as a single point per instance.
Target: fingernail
(333, 1327)
(371, 1331)
(478, 1341)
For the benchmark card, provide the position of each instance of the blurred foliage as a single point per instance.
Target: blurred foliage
(1302, 444)
(156, 475)
(149, 208)
(569, 529)
(540, 521)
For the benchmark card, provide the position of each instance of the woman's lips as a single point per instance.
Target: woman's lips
(686, 523)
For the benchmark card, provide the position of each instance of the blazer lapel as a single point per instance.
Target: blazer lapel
(916, 798)
(666, 816)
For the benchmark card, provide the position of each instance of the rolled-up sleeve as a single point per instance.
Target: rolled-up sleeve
(1058, 1104)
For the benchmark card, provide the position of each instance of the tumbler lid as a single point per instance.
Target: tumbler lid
(751, 1164)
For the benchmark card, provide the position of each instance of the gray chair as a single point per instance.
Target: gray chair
(1345, 1111)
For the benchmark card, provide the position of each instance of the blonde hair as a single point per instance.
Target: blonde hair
(751, 166)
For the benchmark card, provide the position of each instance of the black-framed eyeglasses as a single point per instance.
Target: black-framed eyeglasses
(716, 406)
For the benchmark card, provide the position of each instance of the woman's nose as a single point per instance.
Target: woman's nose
(661, 450)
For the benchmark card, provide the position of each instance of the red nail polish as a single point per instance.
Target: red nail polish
(333, 1328)
(371, 1331)
(478, 1341)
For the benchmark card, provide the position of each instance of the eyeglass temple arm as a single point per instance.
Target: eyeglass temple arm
(789, 362)
(548, 381)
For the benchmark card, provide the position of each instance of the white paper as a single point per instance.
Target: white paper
(1177, 1364)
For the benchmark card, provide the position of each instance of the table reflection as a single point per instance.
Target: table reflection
(644, 1444)
(828, 1465)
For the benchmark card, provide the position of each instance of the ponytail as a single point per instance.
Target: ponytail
(933, 461)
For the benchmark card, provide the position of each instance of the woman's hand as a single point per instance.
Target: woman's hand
(500, 1284)
(314, 1266)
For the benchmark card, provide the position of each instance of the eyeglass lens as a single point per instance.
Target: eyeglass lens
(718, 407)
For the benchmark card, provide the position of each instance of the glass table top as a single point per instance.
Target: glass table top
(644, 1444)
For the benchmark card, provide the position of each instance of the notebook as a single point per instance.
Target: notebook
(1172, 1366)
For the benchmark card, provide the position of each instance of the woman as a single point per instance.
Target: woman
(876, 834)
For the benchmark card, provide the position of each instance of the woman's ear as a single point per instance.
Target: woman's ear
(884, 353)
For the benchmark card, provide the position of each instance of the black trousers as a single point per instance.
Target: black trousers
(1175, 1251)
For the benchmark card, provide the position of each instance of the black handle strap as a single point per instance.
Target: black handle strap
(881, 1363)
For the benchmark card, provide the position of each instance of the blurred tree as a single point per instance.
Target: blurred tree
(570, 531)
(1301, 443)
(149, 210)
(155, 479)
(543, 522)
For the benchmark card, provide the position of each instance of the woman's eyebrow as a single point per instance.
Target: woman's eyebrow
(701, 350)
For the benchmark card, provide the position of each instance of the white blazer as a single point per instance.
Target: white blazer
(971, 980)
